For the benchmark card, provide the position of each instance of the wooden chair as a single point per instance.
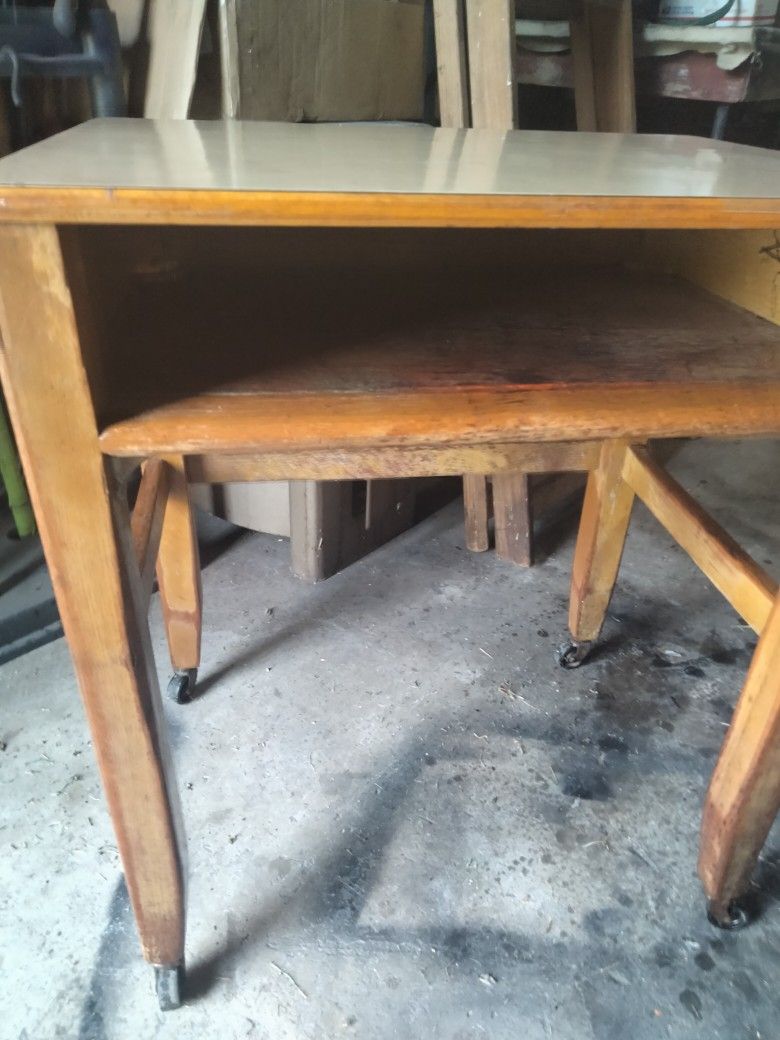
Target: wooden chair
(744, 794)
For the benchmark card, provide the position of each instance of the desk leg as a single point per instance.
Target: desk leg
(84, 525)
(606, 512)
(178, 575)
(744, 794)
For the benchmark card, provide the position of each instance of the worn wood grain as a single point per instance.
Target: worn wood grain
(606, 512)
(256, 423)
(749, 589)
(490, 25)
(744, 794)
(351, 209)
(147, 520)
(451, 64)
(513, 517)
(178, 572)
(476, 356)
(85, 530)
(612, 53)
(475, 510)
(374, 463)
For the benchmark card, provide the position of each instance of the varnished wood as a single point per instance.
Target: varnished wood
(232, 172)
(376, 368)
(739, 266)
(178, 572)
(237, 423)
(492, 52)
(380, 210)
(85, 529)
(451, 67)
(602, 533)
(147, 520)
(748, 587)
(369, 464)
(477, 357)
(744, 794)
(512, 517)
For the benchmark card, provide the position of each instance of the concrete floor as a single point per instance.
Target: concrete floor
(404, 819)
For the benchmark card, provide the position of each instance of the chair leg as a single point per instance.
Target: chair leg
(744, 794)
(178, 575)
(606, 512)
(475, 512)
(512, 517)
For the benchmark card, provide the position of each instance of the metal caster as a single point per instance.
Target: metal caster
(572, 655)
(181, 685)
(731, 918)
(169, 986)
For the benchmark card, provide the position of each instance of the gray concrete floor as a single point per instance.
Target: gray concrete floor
(28, 613)
(404, 819)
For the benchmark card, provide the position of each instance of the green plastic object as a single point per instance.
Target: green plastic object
(12, 478)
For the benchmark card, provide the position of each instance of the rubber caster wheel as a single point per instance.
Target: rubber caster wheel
(169, 986)
(573, 654)
(182, 684)
(733, 919)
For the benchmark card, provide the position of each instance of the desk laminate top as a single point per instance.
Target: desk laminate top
(179, 171)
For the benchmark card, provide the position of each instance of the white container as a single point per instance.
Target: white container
(742, 13)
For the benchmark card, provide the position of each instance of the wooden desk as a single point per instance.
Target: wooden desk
(326, 302)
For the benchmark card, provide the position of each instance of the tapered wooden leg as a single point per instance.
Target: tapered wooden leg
(606, 512)
(85, 531)
(744, 794)
(475, 512)
(178, 575)
(512, 517)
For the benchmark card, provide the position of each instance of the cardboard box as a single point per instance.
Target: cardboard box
(330, 60)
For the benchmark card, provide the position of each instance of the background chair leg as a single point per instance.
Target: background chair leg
(475, 512)
(512, 517)
(744, 794)
(178, 575)
(606, 512)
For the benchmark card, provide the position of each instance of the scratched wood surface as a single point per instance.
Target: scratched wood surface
(214, 341)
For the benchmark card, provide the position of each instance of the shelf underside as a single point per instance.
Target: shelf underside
(333, 356)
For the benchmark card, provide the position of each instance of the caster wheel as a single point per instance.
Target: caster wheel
(181, 685)
(169, 985)
(731, 919)
(572, 655)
